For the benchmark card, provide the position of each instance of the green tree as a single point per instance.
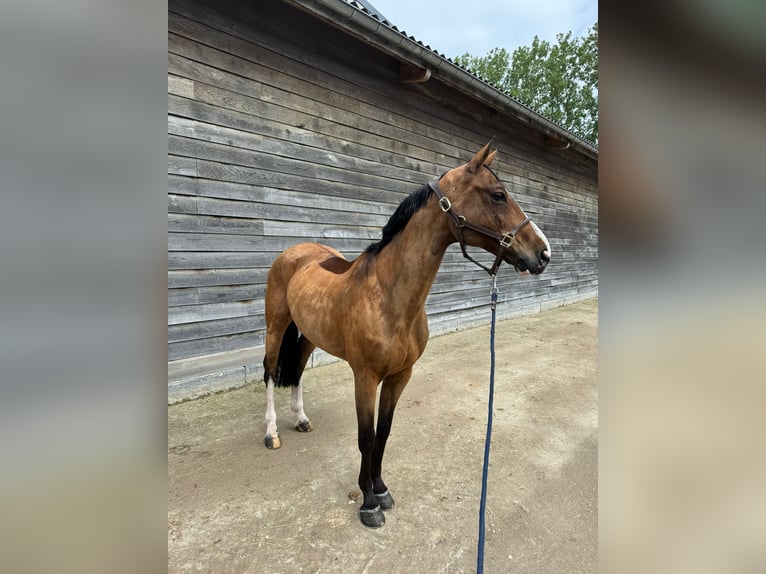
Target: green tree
(559, 80)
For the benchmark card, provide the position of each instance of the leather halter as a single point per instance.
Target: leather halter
(461, 223)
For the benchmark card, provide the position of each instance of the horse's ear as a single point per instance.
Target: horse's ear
(480, 158)
(490, 158)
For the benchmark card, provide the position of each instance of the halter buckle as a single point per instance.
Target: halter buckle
(507, 239)
(445, 204)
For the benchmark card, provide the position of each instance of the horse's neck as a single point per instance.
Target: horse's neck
(406, 267)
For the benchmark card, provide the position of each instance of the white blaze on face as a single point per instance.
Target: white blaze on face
(542, 236)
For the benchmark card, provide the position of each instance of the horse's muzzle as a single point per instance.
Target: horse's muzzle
(535, 266)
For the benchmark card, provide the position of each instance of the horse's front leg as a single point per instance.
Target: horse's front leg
(389, 396)
(366, 385)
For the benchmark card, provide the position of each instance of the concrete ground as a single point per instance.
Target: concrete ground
(235, 506)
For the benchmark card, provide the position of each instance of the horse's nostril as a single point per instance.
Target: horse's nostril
(545, 257)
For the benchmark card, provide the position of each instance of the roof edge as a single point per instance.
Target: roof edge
(381, 34)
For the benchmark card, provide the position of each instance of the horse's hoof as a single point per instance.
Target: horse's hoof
(385, 500)
(373, 517)
(272, 441)
(303, 426)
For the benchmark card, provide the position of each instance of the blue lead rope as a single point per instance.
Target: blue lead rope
(485, 470)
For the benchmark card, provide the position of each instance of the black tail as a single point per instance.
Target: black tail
(288, 365)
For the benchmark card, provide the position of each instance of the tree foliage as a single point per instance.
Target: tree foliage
(559, 80)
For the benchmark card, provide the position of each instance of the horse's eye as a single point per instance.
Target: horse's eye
(499, 196)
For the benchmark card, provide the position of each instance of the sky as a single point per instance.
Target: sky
(454, 27)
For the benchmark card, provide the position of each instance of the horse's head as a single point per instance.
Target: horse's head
(479, 199)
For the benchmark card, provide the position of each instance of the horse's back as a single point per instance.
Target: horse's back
(311, 267)
(299, 256)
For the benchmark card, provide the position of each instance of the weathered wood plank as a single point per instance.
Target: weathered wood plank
(211, 311)
(182, 165)
(215, 105)
(284, 148)
(224, 95)
(214, 260)
(181, 204)
(308, 198)
(218, 278)
(199, 223)
(180, 86)
(197, 347)
(227, 243)
(216, 328)
(275, 85)
(261, 160)
(216, 294)
(321, 232)
(338, 120)
(276, 212)
(244, 175)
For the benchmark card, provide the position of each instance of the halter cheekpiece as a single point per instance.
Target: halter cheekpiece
(505, 240)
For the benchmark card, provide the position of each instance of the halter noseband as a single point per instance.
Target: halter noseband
(460, 222)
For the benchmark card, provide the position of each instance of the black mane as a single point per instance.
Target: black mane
(407, 208)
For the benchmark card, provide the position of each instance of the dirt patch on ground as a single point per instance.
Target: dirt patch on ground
(235, 506)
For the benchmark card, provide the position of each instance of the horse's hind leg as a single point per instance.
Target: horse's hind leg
(277, 321)
(302, 422)
(286, 357)
(271, 438)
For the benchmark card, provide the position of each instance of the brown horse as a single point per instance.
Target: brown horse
(371, 311)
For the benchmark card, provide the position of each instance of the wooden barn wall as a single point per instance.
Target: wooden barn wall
(282, 130)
